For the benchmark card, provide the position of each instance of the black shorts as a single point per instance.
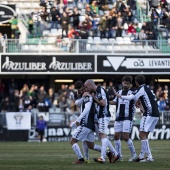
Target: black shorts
(41, 132)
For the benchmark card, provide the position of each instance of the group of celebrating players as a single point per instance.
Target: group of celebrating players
(94, 116)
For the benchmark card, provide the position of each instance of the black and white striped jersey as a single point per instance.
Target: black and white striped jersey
(102, 111)
(148, 101)
(88, 106)
(125, 109)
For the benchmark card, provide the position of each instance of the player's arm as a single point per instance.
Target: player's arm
(79, 101)
(85, 111)
(129, 97)
(101, 101)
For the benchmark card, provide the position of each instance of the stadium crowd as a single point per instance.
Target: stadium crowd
(101, 18)
(15, 97)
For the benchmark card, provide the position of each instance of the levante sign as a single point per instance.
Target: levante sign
(133, 64)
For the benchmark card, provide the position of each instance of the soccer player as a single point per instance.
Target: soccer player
(124, 116)
(150, 115)
(100, 97)
(79, 85)
(85, 127)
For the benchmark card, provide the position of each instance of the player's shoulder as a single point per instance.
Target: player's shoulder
(87, 98)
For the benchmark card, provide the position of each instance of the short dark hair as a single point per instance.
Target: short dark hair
(127, 78)
(140, 79)
(78, 84)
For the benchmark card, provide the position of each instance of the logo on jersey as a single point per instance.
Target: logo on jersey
(86, 99)
(99, 95)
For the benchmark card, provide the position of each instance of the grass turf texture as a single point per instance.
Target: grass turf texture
(59, 156)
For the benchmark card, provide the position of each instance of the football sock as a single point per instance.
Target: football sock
(118, 147)
(77, 151)
(97, 131)
(85, 149)
(112, 149)
(148, 151)
(97, 148)
(104, 147)
(131, 147)
(142, 151)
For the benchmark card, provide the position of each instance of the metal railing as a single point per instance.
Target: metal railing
(52, 45)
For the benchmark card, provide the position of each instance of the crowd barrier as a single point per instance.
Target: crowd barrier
(58, 129)
(116, 45)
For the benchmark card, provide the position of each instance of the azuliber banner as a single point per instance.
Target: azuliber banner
(45, 63)
(18, 120)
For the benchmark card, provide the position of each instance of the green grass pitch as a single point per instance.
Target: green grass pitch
(59, 156)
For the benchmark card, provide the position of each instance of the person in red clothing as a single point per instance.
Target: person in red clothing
(72, 33)
(131, 29)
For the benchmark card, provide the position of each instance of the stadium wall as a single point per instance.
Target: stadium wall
(63, 133)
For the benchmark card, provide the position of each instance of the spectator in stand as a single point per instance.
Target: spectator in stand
(32, 96)
(14, 23)
(36, 19)
(119, 25)
(110, 91)
(75, 16)
(103, 26)
(51, 96)
(161, 104)
(154, 17)
(123, 10)
(17, 97)
(142, 36)
(63, 104)
(165, 15)
(118, 5)
(166, 24)
(94, 28)
(159, 92)
(40, 127)
(83, 34)
(112, 19)
(132, 4)
(159, 11)
(87, 23)
(164, 4)
(43, 15)
(30, 24)
(41, 99)
(5, 105)
(65, 21)
(62, 89)
(166, 92)
(95, 8)
(12, 85)
(131, 30)
(55, 18)
(129, 15)
(72, 33)
(112, 11)
(89, 11)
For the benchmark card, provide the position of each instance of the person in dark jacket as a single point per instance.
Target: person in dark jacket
(65, 21)
(41, 125)
(55, 18)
